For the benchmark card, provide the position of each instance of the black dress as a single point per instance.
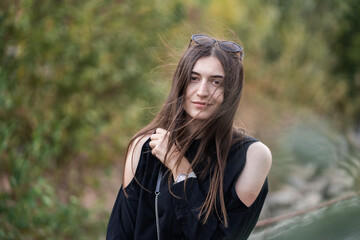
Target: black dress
(134, 217)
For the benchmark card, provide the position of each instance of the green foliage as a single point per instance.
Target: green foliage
(74, 78)
(35, 212)
(77, 68)
(346, 46)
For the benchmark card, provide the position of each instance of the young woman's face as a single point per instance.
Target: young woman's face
(205, 91)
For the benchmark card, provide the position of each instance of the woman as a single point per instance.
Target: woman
(190, 174)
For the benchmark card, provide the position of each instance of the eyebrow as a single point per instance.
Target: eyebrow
(212, 76)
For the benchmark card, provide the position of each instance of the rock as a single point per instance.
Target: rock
(283, 199)
(309, 200)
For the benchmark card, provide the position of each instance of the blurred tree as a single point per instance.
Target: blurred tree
(346, 47)
(74, 79)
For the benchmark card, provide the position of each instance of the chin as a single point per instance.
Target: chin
(200, 116)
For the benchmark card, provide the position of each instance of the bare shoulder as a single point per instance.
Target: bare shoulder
(252, 178)
(260, 155)
(132, 158)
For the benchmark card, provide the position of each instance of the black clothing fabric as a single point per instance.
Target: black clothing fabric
(133, 217)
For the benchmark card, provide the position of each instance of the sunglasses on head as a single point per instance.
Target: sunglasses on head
(227, 46)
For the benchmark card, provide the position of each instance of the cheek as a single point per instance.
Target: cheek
(220, 101)
(219, 96)
(189, 91)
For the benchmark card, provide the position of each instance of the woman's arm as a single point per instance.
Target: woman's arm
(257, 167)
(132, 159)
(123, 216)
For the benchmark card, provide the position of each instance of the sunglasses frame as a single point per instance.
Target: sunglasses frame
(220, 43)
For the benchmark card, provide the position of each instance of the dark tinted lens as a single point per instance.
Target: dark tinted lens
(203, 40)
(230, 46)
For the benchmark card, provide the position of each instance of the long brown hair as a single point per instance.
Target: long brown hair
(220, 132)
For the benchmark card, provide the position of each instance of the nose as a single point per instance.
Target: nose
(203, 90)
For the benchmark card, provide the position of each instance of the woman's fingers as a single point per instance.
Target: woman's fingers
(152, 143)
(159, 143)
(161, 131)
(158, 135)
(158, 154)
(154, 136)
(153, 152)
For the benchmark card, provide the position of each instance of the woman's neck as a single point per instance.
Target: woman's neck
(195, 125)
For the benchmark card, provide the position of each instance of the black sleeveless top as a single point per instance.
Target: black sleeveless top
(133, 217)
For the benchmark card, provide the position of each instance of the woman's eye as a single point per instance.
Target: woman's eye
(194, 78)
(217, 82)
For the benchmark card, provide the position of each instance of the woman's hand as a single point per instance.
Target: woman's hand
(159, 143)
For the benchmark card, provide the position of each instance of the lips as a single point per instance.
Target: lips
(199, 104)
